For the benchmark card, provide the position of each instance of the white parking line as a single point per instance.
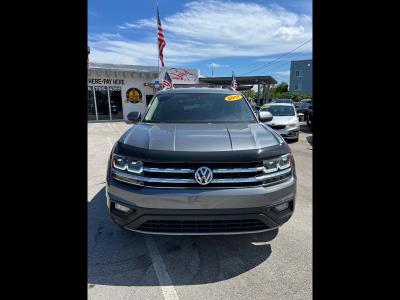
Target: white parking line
(109, 141)
(164, 280)
(111, 128)
(115, 126)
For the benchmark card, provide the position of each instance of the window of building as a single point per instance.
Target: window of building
(299, 73)
(298, 87)
(115, 102)
(91, 105)
(103, 106)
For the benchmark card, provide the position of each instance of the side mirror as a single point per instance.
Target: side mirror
(133, 117)
(264, 116)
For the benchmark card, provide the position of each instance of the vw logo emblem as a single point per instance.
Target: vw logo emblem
(203, 175)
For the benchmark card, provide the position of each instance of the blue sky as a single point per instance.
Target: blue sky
(248, 37)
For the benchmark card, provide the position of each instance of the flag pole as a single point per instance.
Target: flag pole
(158, 47)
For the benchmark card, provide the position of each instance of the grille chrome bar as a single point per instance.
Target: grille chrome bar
(168, 170)
(238, 170)
(220, 170)
(151, 179)
(275, 174)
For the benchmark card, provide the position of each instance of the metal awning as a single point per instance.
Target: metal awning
(240, 80)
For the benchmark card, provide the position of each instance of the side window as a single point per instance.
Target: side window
(152, 109)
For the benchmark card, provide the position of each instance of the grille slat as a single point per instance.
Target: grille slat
(202, 226)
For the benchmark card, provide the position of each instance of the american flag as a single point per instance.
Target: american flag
(167, 83)
(161, 39)
(234, 83)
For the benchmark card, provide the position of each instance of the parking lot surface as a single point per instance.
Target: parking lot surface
(128, 265)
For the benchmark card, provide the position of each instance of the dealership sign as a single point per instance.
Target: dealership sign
(181, 76)
(105, 81)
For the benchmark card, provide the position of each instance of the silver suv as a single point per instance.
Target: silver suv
(200, 161)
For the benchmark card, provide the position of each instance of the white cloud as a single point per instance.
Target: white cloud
(151, 23)
(215, 65)
(283, 73)
(209, 29)
(265, 59)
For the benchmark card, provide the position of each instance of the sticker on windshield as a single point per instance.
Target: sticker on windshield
(233, 97)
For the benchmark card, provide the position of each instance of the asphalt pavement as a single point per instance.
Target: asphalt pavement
(128, 265)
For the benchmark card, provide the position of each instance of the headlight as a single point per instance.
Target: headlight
(291, 125)
(284, 161)
(135, 166)
(278, 163)
(126, 164)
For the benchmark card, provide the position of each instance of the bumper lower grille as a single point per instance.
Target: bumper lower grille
(277, 126)
(202, 226)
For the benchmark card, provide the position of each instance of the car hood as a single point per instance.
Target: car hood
(282, 120)
(200, 137)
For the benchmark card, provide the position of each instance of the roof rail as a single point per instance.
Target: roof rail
(229, 87)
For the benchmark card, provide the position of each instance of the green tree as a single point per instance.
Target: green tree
(295, 96)
(249, 93)
(283, 87)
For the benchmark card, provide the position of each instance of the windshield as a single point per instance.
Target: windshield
(282, 101)
(198, 108)
(302, 104)
(279, 110)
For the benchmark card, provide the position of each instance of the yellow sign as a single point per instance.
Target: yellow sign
(133, 95)
(233, 97)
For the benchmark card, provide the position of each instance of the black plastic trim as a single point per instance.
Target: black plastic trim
(252, 155)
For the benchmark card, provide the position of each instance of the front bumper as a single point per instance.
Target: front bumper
(292, 133)
(200, 211)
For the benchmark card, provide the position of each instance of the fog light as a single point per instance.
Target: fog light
(121, 207)
(281, 206)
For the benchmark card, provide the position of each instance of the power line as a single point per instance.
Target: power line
(290, 57)
(277, 59)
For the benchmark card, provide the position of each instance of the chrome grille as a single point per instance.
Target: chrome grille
(181, 175)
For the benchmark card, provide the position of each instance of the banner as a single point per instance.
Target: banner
(181, 75)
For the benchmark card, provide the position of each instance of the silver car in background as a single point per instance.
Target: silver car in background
(285, 120)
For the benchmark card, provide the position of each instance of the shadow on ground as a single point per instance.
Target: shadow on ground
(305, 129)
(119, 257)
(309, 139)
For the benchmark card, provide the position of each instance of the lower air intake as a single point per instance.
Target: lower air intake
(202, 226)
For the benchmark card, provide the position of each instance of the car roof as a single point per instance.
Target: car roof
(277, 103)
(198, 90)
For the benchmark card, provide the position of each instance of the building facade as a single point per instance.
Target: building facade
(301, 76)
(116, 90)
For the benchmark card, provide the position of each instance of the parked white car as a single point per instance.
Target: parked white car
(285, 120)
